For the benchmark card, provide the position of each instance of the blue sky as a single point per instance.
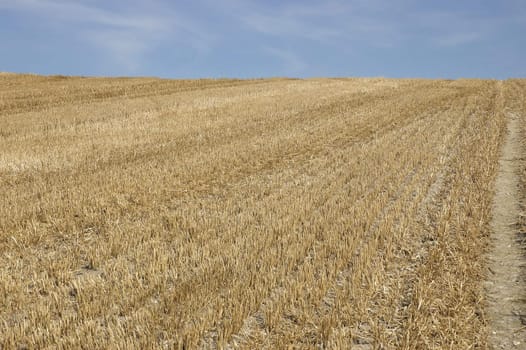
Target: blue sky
(256, 38)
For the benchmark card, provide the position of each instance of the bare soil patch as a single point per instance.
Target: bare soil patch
(506, 287)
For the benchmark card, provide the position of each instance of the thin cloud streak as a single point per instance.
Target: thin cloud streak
(375, 23)
(213, 37)
(282, 26)
(77, 12)
(125, 36)
(457, 39)
(329, 23)
(291, 62)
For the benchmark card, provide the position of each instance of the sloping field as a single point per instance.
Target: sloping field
(335, 213)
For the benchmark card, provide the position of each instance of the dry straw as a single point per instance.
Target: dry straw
(145, 213)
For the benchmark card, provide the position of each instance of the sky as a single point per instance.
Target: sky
(265, 38)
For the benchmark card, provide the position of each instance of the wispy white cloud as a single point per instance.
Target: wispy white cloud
(211, 35)
(313, 21)
(123, 35)
(83, 13)
(455, 28)
(456, 39)
(331, 22)
(290, 61)
(287, 27)
(323, 9)
(123, 46)
(373, 23)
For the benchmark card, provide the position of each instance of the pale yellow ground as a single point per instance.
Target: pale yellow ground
(336, 213)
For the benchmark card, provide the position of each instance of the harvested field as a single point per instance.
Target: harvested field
(243, 214)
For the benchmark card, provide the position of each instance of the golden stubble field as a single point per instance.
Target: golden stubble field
(322, 213)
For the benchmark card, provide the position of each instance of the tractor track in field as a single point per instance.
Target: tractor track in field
(506, 286)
